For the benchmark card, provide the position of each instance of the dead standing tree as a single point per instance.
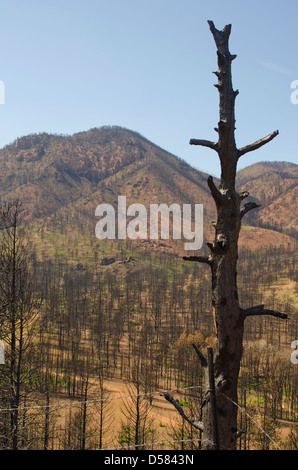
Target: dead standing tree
(228, 315)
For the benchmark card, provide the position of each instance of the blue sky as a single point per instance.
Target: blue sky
(70, 65)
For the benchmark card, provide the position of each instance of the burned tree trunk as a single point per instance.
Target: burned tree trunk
(228, 315)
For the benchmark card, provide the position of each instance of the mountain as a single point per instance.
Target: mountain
(274, 185)
(48, 172)
(62, 179)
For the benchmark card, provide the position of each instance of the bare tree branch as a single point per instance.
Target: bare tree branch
(260, 310)
(196, 424)
(200, 355)
(240, 432)
(243, 195)
(220, 37)
(257, 144)
(248, 207)
(199, 259)
(210, 246)
(204, 143)
(217, 196)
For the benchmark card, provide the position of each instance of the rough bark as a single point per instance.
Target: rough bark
(228, 315)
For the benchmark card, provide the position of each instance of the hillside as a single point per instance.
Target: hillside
(274, 185)
(62, 179)
(118, 318)
(49, 172)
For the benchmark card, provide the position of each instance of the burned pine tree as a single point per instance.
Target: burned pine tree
(229, 317)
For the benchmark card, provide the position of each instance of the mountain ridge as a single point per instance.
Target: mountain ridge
(57, 174)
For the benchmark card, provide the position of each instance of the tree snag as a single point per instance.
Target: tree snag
(228, 315)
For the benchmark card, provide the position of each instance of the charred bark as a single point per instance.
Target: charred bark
(228, 315)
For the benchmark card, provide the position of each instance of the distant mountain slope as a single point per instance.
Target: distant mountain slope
(48, 172)
(62, 179)
(274, 185)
